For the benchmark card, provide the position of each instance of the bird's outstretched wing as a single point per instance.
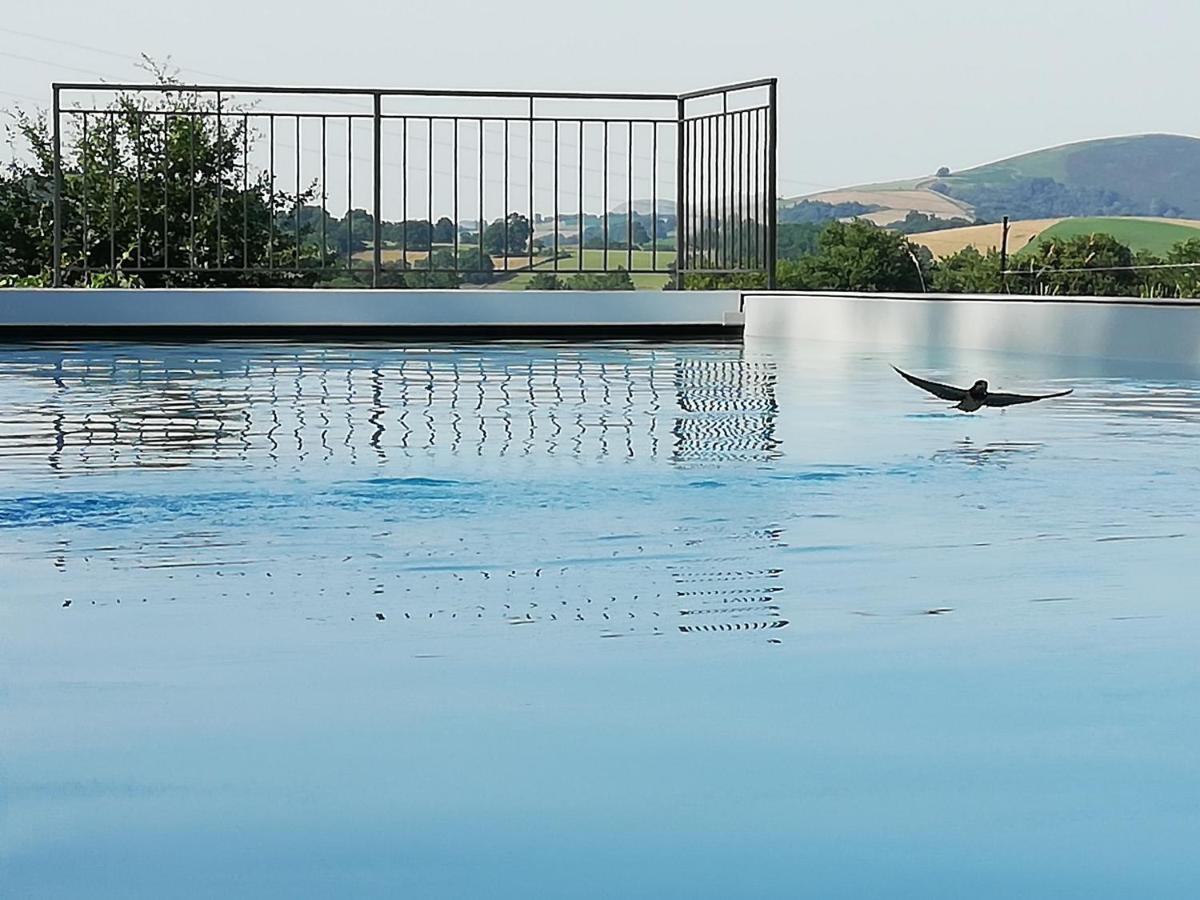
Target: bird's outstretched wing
(1014, 399)
(945, 391)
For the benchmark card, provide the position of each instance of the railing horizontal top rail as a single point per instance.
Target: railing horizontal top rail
(360, 92)
(729, 88)
(117, 87)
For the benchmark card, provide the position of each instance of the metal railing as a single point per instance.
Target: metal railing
(173, 184)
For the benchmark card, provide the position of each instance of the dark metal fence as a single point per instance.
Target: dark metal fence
(232, 185)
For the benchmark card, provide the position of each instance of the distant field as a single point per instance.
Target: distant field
(391, 256)
(897, 203)
(594, 259)
(982, 237)
(642, 259)
(1155, 235)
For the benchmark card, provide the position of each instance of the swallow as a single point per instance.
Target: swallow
(976, 396)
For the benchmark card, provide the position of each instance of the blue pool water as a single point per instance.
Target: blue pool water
(609, 620)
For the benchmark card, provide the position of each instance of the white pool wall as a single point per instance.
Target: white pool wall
(298, 308)
(1104, 328)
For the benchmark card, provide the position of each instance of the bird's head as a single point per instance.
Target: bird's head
(979, 388)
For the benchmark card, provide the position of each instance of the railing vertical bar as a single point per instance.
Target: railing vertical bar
(454, 171)
(727, 175)
(137, 206)
(192, 191)
(429, 193)
(723, 207)
(741, 191)
(112, 193)
(349, 193)
(220, 166)
(505, 209)
(555, 196)
(296, 199)
(582, 205)
(773, 208)
(58, 186)
(324, 190)
(245, 191)
(481, 210)
(532, 214)
(83, 181)
(166, 173)
(404, 194)
(271, 178)
(765, 235)
(755, 196)
(377, 191)
(698, 205)
(711, 177)
(654, 196)
(629, 200)
(697, 192)
(604, 169)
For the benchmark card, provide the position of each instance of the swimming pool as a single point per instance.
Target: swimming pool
(614, 619)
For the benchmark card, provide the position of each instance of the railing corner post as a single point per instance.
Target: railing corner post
(772, 192)
(680, 192)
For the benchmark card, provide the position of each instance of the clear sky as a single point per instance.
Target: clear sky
(869, 89)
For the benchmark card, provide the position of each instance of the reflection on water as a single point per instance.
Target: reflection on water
(324, 414)
(99, 409)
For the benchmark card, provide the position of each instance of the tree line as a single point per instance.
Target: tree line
(859, 256)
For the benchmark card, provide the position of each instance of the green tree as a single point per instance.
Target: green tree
(437, 270)
(796, 240)
(968, 272)
(154, 183)
(476, 268)
(544, 281)
(515, 228)
(1183, 283)
(443, 231)
(1085, 265)
(859, 256)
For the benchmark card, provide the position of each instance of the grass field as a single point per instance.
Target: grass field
(1155, 235)
(594, 259)
(567, 266)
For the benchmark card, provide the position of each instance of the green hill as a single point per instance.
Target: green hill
(1142, 175)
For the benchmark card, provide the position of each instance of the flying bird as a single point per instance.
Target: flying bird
(976, 396)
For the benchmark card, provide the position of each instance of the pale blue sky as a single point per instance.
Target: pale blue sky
(869, 90)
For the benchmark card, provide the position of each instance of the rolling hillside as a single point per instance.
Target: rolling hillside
(1151, 175)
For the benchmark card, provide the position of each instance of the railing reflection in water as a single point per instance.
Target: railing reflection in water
(167, 408)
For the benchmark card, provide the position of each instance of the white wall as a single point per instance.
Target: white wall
(209, 307)
(1162, 331)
